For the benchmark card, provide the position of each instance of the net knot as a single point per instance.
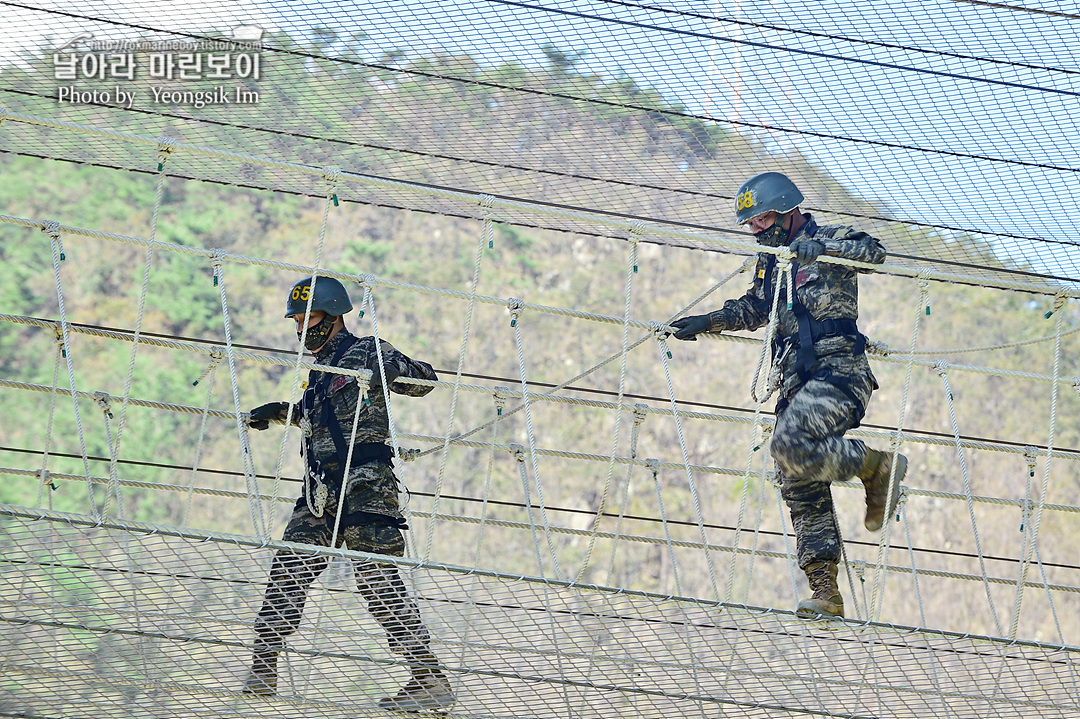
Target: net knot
(166, 145)
(637, 229)
(51, 228)
(408, 454)
(1031, 456)
(102, 400)
(500, 395)
(879, 349)
(654, 466)
(515, 306)
(941, 367)
(519, 452)
(640, 412)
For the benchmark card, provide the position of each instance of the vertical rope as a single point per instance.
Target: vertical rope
(499, 396)
(762, 477)
(635, 432)
(631, 268)
(362, 392)
(760, 395)
(515, 305)
(331, 177)
(52, 229)
(1059, 304)
(165, 148)
(102, 400)
(665, 353)
(519, 458)
(46, 480)
(216, 356)
(654, 467)
(486, 235)
(923, 307)
(254, 507)
(942, 368)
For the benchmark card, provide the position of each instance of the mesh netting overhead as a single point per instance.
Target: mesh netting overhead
(969, 131)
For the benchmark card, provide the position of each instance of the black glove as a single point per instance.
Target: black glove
(806, 251)
(689, 327)
(261, 416)
(392, 373)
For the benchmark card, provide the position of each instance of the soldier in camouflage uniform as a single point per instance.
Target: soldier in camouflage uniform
(370, 518)
(825, 378)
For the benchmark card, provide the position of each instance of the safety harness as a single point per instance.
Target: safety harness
(363, 453)
(810, 330)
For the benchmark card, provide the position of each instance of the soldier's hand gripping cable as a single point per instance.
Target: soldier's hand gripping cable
(826, 380)
(349, 477)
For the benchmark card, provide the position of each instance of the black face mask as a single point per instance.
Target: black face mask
(775, 235)
(317, 335)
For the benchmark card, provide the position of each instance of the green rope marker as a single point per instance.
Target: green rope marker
(789, 305)
(1021, 526)
(361, 314)
(52, 486)
(757, 448)
(215, 280)
(160, 166)
(669, 354)
(334, 198)
(1046, 316)
(195, 383)
(63, 353)
(367, 401)
(635, 269)
(499, 412)
(513, 323)
(928, 309)
(491, 244)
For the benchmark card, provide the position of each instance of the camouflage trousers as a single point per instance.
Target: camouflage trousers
(381, 586)
(811, 453)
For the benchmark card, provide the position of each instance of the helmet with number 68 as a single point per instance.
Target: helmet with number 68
(769, 191)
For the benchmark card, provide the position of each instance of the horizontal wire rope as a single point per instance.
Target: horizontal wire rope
(145, 484)
(221, 414)
(616, 220)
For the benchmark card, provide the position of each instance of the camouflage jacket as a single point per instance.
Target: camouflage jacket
(827, 290)
(373, 425)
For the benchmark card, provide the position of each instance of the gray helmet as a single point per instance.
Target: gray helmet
(765, 192)
(330, 297)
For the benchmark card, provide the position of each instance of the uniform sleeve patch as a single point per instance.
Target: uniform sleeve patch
(338, 383)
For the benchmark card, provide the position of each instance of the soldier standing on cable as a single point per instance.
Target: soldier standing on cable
(825, 378)
(370, 517)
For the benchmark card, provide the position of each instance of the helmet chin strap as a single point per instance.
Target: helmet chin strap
(317, 335)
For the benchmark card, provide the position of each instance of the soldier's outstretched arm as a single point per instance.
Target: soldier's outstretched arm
(855, 245)
(745, 313)
(398, 364)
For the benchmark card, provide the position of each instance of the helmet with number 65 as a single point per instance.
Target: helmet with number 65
(769, 191)
(330, 297)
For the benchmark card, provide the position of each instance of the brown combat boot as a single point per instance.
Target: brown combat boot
(826, 599)
(875, 477)
(428, 690)
(262, 679)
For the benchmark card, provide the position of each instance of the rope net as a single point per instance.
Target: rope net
(596, 526)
